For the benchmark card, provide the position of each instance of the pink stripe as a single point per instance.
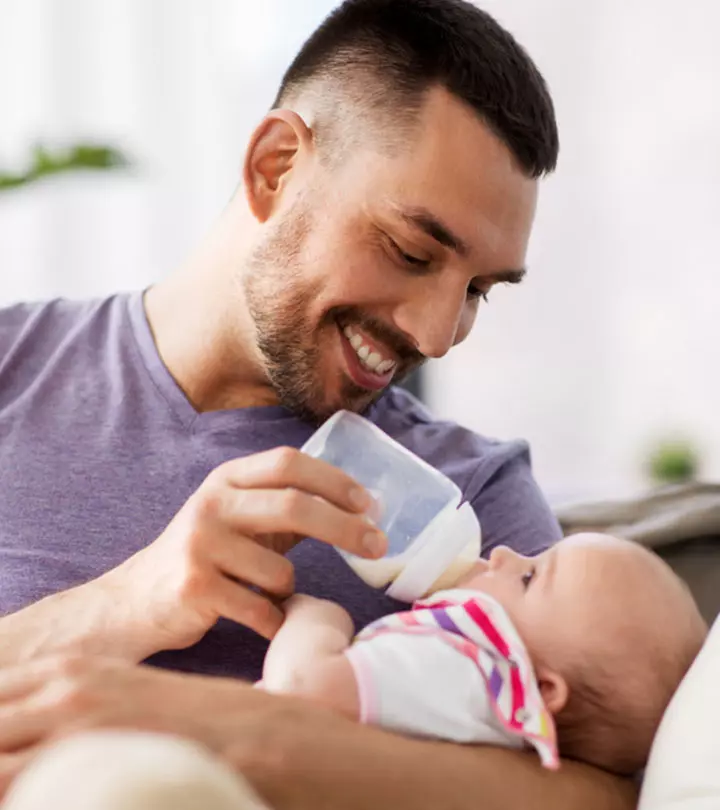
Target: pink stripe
(481, 619)
(408, 619)
(518, 694)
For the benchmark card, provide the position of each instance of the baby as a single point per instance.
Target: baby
(576, 652)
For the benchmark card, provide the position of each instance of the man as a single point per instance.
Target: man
(390, 189)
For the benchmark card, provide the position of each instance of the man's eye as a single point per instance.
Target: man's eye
(476, 292)
(528, 577)
(409, 259)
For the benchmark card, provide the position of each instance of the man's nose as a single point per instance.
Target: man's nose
(433, 320)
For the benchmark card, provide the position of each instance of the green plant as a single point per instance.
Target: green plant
(45, 162)
(673, 461)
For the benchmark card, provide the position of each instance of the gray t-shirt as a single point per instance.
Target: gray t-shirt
(99, 448)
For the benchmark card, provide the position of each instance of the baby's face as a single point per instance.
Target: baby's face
(572, 597)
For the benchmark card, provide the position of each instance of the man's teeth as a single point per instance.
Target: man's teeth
(373, 361)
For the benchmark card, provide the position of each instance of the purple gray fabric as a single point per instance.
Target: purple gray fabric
(99, 448)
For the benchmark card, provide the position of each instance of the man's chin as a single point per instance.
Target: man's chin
(347, 396)
(357, 403)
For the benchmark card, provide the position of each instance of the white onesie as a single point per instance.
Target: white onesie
(452, 668)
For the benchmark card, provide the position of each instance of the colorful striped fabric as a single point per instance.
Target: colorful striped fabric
(478, 628)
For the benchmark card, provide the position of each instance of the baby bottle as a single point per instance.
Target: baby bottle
(433, 538)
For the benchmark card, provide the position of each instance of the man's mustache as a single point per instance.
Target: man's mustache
(405, 351)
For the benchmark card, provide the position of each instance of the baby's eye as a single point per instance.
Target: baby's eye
(528, 577)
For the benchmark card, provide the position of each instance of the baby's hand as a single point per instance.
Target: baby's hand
(310, 610)
(301, 601)
(315, 632)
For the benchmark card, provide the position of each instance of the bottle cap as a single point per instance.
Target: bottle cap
(434, 550)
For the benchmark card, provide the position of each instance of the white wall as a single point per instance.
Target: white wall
(179, 84)
(613, 342)
(610, 342)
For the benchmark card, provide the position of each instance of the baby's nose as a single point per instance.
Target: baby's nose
(502, 555)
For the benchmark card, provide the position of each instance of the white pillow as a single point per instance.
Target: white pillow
(684, 768)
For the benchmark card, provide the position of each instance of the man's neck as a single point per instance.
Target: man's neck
(216, 367)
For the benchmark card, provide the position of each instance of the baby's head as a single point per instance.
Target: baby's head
(611, 631)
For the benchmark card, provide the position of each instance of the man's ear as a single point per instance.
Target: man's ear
(553, 688)
(274, 151)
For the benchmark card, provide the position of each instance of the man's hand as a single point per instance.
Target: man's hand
(221, 556)
(51, 697)
(48, 699)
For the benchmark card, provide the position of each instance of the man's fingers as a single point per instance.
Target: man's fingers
(285, 467)
(23, 723)
(256, 565)
(21, 681)
(11, 765)
(235, 602)
(267, 511)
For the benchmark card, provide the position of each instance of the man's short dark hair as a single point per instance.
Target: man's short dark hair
(383, 55)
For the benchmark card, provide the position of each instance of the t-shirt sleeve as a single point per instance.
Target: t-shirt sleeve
(511, 508)
(30, 335)
(419, 685)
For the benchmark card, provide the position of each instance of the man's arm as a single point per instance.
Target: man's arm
(300, 756)
(91, 619)
(327, 763)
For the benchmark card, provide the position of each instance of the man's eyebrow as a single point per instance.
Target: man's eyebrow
(435, 228)
(422, 218)
(508, 276)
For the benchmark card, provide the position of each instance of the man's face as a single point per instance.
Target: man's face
(385, 260)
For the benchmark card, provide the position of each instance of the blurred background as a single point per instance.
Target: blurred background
(604, 356)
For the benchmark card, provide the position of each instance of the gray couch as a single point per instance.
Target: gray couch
(681, 523)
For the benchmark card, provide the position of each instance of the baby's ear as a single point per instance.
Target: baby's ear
(554, 690)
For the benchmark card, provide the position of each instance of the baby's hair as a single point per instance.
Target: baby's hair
(596, 728)
(611, 722)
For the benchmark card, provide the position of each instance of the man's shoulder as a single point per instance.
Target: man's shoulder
(45, 322)
(53, 314)
(469, 458)
(37, 337)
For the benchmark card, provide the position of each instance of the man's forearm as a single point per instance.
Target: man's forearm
(357, 767)
(87, 620)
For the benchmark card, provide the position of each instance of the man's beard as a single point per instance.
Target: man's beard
(279, 301)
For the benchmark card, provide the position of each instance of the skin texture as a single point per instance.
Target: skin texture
(298, 246)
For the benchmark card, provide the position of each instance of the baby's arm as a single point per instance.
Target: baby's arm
(306, 657)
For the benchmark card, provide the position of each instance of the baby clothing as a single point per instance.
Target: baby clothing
(453, 668)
